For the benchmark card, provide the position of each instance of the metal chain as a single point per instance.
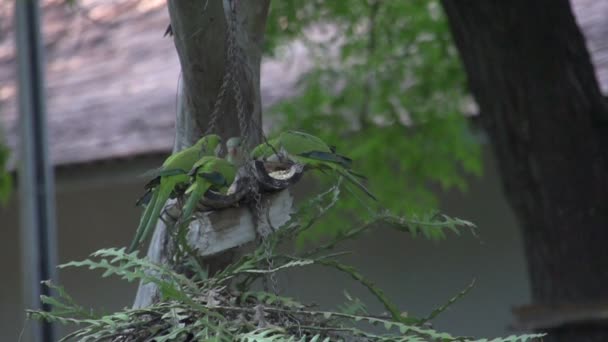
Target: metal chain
(259, 217)
(217, 106)
(258, 210)
(233, 57)
(226, 79)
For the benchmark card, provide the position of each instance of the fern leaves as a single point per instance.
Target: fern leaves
(206, 308)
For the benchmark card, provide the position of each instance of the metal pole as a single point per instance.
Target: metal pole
(36, 188)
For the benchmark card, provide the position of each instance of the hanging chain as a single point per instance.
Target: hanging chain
(258, 209)
(226, 79)
(219, 101)
(233, 57)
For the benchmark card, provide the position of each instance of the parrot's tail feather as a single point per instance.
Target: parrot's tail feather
(145, 218)
(344, 161)
(348, 186)
(164, 191)
(329, 157)
(353, 180)
(145, 198)
(154, 182)
(358, 175)
(193, 199)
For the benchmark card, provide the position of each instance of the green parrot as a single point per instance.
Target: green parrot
(212, 173)
(207, 173)
(173, 173)
(210, 145)
(235, 153)
(311, 151)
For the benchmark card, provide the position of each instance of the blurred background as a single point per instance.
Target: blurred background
(411, 127)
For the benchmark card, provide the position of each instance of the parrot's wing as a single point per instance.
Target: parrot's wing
(154, 173)
(310, 138)
(200, 163)
(172, 172)
(258, 151)
(215, 178)
(162, 172)
(265, 149)
(329, 157)
(145, 198)
(183, 159)
(306, 136)
(297, 142)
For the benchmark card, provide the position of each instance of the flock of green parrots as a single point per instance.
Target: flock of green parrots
(199, 168)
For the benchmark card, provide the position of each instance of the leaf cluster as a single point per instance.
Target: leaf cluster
(6, 181)
(387, 84)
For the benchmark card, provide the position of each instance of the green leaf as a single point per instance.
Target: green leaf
(390, 96)
(6, 180)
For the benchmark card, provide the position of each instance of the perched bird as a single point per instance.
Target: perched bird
(207, 173)
(173, 173)
(311, 151)
(211, 172)
(235, 151)
(209, 145)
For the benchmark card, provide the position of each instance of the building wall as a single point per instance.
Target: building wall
(96, 209)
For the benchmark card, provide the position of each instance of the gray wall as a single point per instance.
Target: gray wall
(95, 210)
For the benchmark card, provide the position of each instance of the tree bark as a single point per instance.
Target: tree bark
(199, 32)
(531, 74)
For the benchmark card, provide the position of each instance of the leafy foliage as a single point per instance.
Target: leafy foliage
(388, 86)
(224, 308)
(6, 182)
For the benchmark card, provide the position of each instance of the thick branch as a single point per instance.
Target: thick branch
(199, 29)
(532, 77)
(199, 32)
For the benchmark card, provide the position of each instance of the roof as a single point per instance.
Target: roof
(592, 16)
(112, 77)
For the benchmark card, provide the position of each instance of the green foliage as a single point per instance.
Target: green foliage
(211, 309)
(452, 300)
(353, 306)
(6, 182)
(387, 89)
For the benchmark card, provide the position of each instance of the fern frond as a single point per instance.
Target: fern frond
(375, 290)
(208, 309)
(130, 268)
(452, 300)
(431, 225)
(353, 306)
(266, 335)
(271, 299)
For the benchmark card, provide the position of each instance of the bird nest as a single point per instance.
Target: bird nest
(256, 175)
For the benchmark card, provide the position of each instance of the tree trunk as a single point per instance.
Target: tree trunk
(199, 32)
(532, 77)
